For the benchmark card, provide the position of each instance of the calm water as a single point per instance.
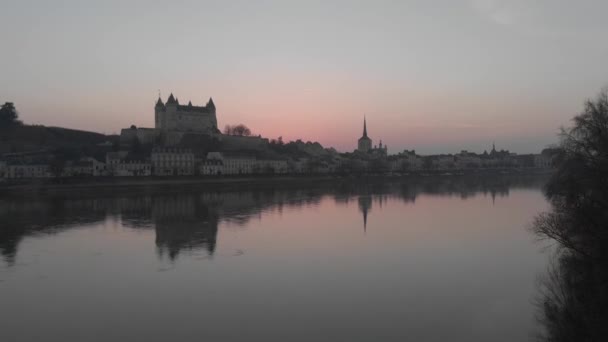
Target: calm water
(432, 260)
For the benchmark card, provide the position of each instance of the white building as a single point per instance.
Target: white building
(466, 160)
(278, 166)
(172, 162)
(78, 168)
(239, 164)
(211, 167)
(27, 171)
(543, 161)
(131, 168)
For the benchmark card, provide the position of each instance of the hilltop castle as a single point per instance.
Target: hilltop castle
(171, 116)
(173, 122)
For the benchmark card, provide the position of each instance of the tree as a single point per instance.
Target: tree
(575, 296)
(239, 129)
(578, 191)
(8, 115)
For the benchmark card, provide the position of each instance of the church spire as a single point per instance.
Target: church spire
(364, 127)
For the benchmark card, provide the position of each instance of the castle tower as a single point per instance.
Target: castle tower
(159, 112)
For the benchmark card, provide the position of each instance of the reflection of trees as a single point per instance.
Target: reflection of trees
(23, 218)
(574, 300)
(189, 220)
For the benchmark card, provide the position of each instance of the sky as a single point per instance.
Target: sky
(435, 76)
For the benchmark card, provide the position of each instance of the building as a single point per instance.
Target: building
(278, 166)
(172, 121)
(211, 167)
(543, 161)
(133, 168)
(364, 144)
(171, 116)
(20, 170)
(172, 162)
(79, 168)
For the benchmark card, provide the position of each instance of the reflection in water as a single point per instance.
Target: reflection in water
(358, 260)
(574, 299)
(365, 205)
(189, 221)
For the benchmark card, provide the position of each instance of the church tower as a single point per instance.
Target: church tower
(364, 143)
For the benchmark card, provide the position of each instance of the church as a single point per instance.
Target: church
(364, 144)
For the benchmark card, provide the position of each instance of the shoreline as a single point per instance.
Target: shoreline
(53, 186)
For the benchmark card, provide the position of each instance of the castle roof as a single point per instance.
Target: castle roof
(171, 99)
(209, 108)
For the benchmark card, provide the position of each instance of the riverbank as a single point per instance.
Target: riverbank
(101, 185)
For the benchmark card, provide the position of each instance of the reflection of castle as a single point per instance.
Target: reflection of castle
(189, 221)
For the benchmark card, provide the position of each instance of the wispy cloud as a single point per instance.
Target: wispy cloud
(547, 18)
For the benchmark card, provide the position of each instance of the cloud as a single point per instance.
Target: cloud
(546, 18)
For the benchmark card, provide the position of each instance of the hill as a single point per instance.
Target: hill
(27, 138)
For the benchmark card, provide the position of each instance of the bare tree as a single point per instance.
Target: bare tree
(239, 129)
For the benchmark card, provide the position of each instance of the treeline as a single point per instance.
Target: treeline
(574, 302)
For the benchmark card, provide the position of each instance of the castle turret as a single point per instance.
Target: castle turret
(210, 105)
(159, 103)
(171, 99)
(159, 111)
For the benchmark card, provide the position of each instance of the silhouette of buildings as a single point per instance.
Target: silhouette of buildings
(364, 144)
(171, 116)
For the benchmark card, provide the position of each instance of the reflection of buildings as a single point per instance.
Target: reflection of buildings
(365, 205)
(189, 220)
(184, 223)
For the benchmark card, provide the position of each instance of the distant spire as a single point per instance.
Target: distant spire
(189, 103)
(159, 102)
(364, 127)
(210, 103)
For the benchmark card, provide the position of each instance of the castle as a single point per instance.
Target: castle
(173, 122)
(364, 144)
(172, 116)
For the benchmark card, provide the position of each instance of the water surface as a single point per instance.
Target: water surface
(446, 259)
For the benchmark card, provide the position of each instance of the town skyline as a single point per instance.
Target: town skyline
(437, 78)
